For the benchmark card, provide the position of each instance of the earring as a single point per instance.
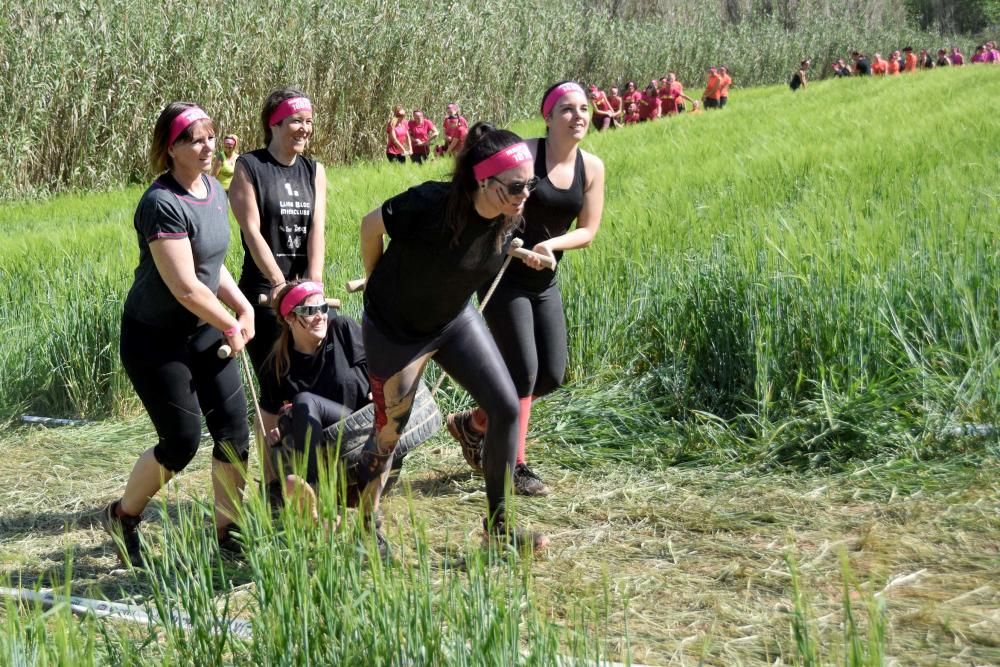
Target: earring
(482, 186)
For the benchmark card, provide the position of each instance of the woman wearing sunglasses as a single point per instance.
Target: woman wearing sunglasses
(446, 239)
(279, 200)
(175, 318)
(316, 374)
(525, 313)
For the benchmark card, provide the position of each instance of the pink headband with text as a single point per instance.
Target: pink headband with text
(556, 93)
(183, 121)
(287, 108)
(297, 295)
(501, 161)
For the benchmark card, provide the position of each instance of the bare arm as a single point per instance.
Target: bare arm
(372, 230)
(244, 204)
(230, 294)
(589, 220)
(316, 245)
(175, 263)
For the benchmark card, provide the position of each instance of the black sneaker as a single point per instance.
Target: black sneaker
(124, 530)
(527, 483)
(522, 541)
(461, 429)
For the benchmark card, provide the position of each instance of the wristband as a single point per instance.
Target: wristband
(231, 331)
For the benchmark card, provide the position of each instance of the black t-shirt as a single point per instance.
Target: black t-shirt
(168, 211)
(286, 198)
(337, 371)
(423, 281)
(548, 213)
(796, 81)
(863, 66)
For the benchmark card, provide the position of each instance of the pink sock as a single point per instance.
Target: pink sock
(523, 416)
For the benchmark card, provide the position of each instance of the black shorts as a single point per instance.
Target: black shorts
(396, 158)
(711, 104)
(722, 101)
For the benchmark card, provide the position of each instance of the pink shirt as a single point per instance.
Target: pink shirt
(402, 131)
(420, 131)
(456, 128)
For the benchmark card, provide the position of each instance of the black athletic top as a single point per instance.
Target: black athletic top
(286, 197)
(423, 281)
(337, 371)
(796, 81)
(548, 213)
(863, 67)
(168, 211)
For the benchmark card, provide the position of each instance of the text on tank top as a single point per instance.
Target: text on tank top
(286, 198)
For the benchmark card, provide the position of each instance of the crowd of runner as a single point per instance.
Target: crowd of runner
(906, 60)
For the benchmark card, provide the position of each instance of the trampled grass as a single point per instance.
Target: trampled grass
(805, 280)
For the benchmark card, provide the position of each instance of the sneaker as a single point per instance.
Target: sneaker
(230, 543)
(527, 483)
(461, 429)
(522, 541)
(125, 532)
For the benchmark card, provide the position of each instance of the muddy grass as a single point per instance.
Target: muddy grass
(691, 561)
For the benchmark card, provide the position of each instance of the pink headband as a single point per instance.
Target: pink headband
(183, 121)
(452, 107)
(297, 295)
(287, 108)
(501, 161)
(556, 93)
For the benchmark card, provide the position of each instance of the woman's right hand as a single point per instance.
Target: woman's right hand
(236, 341)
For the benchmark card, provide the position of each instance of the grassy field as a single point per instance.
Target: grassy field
(781, 346)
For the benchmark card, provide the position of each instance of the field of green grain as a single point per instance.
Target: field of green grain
(783, 355)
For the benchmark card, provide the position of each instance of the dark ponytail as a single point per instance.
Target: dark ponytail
(483, 141)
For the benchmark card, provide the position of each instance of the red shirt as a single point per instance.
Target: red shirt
(635, 96)
(616, 102)
(668, 103)
(419, 132)
(455, 127)
(600, 103)
(713, 87)
(402, 132)
(649, 107)
(631, 118)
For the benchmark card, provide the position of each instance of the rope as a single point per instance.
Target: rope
(482, 304)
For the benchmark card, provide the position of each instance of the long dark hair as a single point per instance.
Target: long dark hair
(483, 141)
(278, 360)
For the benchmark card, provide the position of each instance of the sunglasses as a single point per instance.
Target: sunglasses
(309, 311)
(514, 188)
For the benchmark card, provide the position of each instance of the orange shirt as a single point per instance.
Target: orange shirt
(713, 88)
(880, 66)
(893, 66)
(911, 62)
(726, 82)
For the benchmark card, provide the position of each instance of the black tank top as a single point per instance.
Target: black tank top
(548, 212)
(286, 198)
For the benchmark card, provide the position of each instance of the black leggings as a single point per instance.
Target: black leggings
(180, 377)
(530, 330)
(465, 350)
(310, 414)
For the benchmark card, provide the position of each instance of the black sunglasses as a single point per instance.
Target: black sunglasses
(515, 188)
(309, 311)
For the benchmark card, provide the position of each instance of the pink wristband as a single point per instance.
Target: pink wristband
(231, 331)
